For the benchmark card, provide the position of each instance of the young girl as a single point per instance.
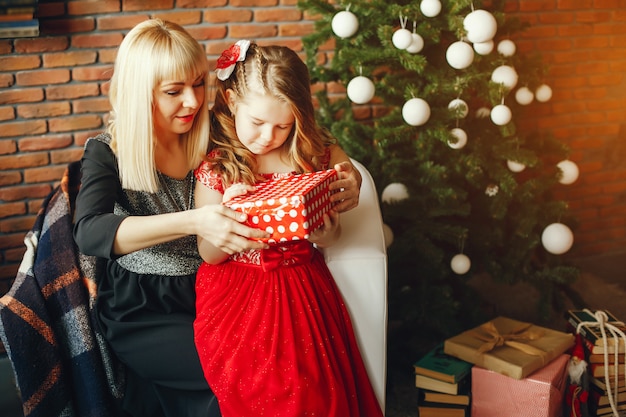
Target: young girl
(280, 342)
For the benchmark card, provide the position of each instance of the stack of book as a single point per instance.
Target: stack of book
(595, 347)
(443, 385)
(17, 18)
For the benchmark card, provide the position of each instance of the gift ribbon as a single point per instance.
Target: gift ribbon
(286, 255)
(514, 339)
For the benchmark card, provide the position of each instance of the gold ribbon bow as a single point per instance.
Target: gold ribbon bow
(515, 338)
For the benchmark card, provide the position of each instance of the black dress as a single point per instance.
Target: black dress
(146, 301)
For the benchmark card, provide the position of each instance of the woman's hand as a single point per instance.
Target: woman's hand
(329, 232)
(348, 186)
(219, 227)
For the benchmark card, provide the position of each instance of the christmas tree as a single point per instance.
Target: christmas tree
(433, 88)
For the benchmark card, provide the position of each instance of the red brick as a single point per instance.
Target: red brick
(117, 22)
(201, 4)
(18, 224)
(253, 3)
(227, 15)
(81, 137)
(93, 7)
(7, 113)
(107, 56)
(45, 9)
(7, 146)
(46, 109)
(38, 45)
(16, 63)
(5, 46)
(92, 73)
(183, 18)
(10, 178)
(10, 209)
(66, 92)
(69, 59)
(42, 77)
(42, 143)
(96, 40)
(65, 156)
(22, 128)
(253, 31)
(6, 80)
(44, 174)
(24, 160)
(201, 33)
(23, 95)
(277, 15)
(296, 29)
(34, 206)
(80, 122)
(138, 5)
(23, 192)
(65, 26)
(17, 254)
(91, 105)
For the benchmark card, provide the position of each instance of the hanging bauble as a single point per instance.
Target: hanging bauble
(387, 235)
(416, 111)
(557, 238)
(394, 193)
(360, 89)
(461, 138)
(515, 166)
(459, 107)
(501, 114)
(543, 93)
(506, 47)
(483, 48)
(344, 24)
(430, 8)
(483, 112)
(460, 55)
(402, 38)
(460, 263)
(417, 43)
(569, 172)
(480, 26)
(505, 75)
(524, 96)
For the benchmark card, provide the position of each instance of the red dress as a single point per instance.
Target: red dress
(277, 340)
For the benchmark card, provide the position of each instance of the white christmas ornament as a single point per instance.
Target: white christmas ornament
(394, 193)
(483, 113)
(460, 55)
(483, 48)
(480, 26)
(515, 166)
(543, 93)
(505, 75)
(506, 48)
(360, 90)
(344, 24)
(430, 8)
(524, 96)
(461, 137)
(459, 107)
(387, 235)
(501, 114)
(569, 172)
(402, 38)
(416, 111)
(417, 43)
(460, 263)
(557, 238)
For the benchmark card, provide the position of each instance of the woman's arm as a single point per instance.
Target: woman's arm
(349, 183)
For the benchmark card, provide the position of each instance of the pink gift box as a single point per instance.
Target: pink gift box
(288, 208)
(538, 395)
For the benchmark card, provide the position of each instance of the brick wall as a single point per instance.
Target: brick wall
(53, 95)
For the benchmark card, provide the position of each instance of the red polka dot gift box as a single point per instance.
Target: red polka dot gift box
(289, 208)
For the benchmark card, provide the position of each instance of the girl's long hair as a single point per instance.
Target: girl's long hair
(153, 51)
(276, 71)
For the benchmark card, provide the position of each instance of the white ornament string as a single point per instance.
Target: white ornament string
(603, 324)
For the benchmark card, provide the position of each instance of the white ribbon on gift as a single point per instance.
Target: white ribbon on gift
(602, 322)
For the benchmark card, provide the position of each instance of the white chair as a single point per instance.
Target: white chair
(359, 264)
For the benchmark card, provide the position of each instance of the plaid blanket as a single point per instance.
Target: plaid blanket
(61, 362)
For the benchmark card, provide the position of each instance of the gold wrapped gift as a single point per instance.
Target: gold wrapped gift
(509, 347)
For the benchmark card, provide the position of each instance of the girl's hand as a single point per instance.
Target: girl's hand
(330, 231)
(348, 186)
(236, 190)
